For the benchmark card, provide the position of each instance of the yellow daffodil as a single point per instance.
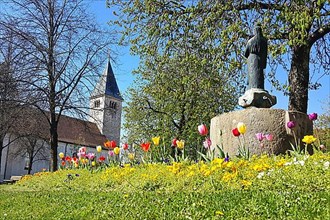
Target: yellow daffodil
(308, 139)
(246, 183)
(116, 150)
(219, 213)
(155, 140)
(180, 144)
(98, 149)
(61, 155)
(241, 127)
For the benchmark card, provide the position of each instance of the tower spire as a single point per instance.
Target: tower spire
(107, 84)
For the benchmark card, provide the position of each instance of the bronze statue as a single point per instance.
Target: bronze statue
(256, 54)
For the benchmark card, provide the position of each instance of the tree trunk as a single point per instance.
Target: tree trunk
(1, 149)
(30, 163)
(299, 79)
(53, 142)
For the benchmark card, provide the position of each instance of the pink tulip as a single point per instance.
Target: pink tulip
(202, 129)
(81, 154)
(90, 156)
(111, 153)
(269, 137)
(82, 149)
(207, 143)
(260, 136)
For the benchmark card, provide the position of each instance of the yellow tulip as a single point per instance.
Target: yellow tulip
(131, 156)
(76, 165)
(61, 155)
(116, 150)
(155, 140)
(308, 139)
(93, 163)
(98, 149)
(241, 127)
(180, 144)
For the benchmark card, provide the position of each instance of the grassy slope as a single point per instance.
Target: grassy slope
(152, 192)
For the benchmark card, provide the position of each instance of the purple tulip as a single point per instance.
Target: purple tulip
(312, 116)
(227, 158)
(291, 124)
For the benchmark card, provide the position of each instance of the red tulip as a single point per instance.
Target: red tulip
(102, 158)
(74, 159)
(235, 132)
(174, 142)
(125, 146)
(202, 129)
(145, 146)
(110, 144)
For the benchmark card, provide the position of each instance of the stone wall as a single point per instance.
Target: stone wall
(259, 120)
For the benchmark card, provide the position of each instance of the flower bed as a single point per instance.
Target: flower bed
(265, 187)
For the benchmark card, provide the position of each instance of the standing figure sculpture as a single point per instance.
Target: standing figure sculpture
(256, 54)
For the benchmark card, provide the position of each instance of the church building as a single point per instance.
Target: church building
(103, 124)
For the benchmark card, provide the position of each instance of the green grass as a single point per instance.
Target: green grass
(159, 192)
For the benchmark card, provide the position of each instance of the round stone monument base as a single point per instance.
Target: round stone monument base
(259, 120)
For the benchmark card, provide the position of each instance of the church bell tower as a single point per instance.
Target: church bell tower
(106, 105)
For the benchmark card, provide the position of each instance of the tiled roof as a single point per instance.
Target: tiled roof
(70, 130)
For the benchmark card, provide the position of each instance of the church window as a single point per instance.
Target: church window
(97, 104)
(112, 105)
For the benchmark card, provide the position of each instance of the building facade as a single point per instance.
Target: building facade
(104, 124)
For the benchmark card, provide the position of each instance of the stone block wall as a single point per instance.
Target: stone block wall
(259, 120)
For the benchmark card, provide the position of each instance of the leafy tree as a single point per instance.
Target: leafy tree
(322, 125)
(297, 31)
(62, 45)
(177, 90)
(173, 97)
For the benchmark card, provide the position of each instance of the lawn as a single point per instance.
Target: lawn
(261, 188)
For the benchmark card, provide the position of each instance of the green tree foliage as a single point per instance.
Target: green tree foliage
(297, 31)
(181, 82)
(322, 125)
(172, 99)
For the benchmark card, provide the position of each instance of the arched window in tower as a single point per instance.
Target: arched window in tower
(113, 105)
(97, 103)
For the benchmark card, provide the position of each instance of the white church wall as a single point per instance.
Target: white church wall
(15, 165)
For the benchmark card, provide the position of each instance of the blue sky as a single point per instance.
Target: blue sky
(127, 63)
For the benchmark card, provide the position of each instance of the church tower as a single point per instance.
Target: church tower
(106, 105)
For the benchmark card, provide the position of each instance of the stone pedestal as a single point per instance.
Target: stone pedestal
(259, 120)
